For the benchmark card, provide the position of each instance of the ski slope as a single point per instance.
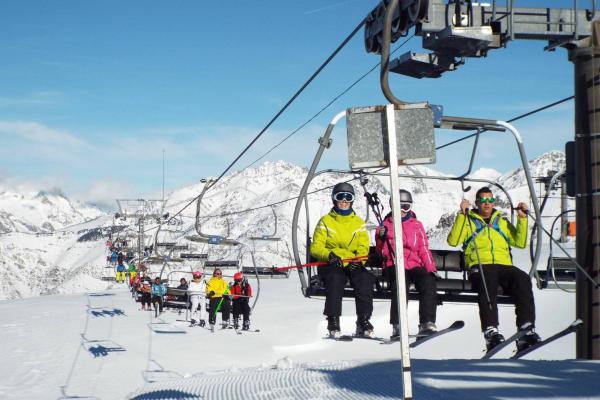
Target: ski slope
(100, 345)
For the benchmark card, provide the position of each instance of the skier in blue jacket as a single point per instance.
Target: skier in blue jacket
(158, 293)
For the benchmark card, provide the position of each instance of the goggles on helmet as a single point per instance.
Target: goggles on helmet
(343, 196)
(406, 207)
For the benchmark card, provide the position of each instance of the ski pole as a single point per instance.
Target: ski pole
(226, 292)
(319, 263)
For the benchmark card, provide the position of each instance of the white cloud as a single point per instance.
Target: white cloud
(36, 99)
(105, 192)
(36, 132)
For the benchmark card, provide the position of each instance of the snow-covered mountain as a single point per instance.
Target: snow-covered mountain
(70, 258)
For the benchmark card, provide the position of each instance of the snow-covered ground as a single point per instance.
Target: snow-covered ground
(100, 345)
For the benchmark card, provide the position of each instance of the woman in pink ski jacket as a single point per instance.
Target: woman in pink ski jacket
(418, 264)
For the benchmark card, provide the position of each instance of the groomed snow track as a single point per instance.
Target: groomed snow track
(433, 379)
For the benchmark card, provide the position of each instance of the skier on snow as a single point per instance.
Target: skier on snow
(487, 236)
(341, 234)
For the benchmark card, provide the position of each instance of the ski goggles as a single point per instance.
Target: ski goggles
(344, 196)
(486, 199)
(406, 207)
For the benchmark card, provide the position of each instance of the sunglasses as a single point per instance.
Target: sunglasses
(486, 200)
(343, 196)
(217, 273)
(406, 207)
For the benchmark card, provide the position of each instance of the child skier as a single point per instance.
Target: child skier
(197, 294)
(241, 293)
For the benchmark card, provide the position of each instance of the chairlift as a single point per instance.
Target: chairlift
(451, 288)
(269, 272)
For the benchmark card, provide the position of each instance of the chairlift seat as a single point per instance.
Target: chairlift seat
(214, 239)
(175, 298)
(222, 264)
(265, 272)
(193, 256)
(565, 273)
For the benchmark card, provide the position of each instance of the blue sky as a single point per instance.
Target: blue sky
(92, 92)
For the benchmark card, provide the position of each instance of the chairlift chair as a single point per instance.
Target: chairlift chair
(450, 289)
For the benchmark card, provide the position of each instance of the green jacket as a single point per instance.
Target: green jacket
(132, 267)
(346, 236)
(492, 246)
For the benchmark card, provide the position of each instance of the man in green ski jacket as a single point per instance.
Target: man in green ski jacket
(486, 236)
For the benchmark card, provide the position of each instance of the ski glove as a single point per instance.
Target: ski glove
(211, 293)
(354, 266)
(382, 232)
(335, 260)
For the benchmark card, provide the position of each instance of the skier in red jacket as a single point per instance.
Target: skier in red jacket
(241, 292)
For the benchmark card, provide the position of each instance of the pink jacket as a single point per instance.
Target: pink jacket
(416, 244)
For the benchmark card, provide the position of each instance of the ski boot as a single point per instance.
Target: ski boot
(427, 328)
(492, 337)
(246, 325)
(202, 323)
(530, 337)
(395, 331)
(333, 326)
(212, 327)
(364, 327)
(236, 323)
(193, 322)
(224, 325)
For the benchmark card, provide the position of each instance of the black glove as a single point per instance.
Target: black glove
(335, 260)
(383, 231)
(354, 266)
(211, 293)
(436, 276)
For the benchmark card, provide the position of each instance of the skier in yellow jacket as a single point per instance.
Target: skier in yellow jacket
(217, 291)
(486, 236)
(340, 235)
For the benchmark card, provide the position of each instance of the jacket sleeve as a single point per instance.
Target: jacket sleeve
(363, 242)
(459, 231)
(249, 290)
(318, 247)
(517, 236)
(423, 249)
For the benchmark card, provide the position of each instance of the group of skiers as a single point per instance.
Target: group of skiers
(485, 234)
(222, 297)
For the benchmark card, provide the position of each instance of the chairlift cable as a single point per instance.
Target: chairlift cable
(527, 114)
(327, 105)
(281, 111)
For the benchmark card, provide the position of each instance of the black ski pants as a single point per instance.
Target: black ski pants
(157, 300)
(425, 284)
(212, 308)
(514, 282)
(145, 299)
(335, 279)
(241, 307)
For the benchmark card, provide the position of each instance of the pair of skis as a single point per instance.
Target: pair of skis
(419, 339)
(573, 327)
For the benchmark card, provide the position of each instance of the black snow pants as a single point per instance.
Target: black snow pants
(241, 307)
(425, 284)
(157, 299)
(225, 309)
(514, 282)
(335, 280)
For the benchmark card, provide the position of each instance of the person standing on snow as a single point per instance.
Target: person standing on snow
(341, 234)
(241, 293)
(418, 265)
(217, 291)
(120, 277)
(486, 236)
(158, 293)
(197, 294)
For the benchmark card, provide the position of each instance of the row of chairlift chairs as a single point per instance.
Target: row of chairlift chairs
(454, 285)
(179, 253)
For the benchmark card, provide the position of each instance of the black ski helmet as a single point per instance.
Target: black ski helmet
(405, 196)
(341, 187)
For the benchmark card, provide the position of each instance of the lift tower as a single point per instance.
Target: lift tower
(454, 30)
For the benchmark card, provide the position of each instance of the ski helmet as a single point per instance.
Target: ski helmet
(405, 196)
(341, 187)
(197, 274)
(238, 276)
